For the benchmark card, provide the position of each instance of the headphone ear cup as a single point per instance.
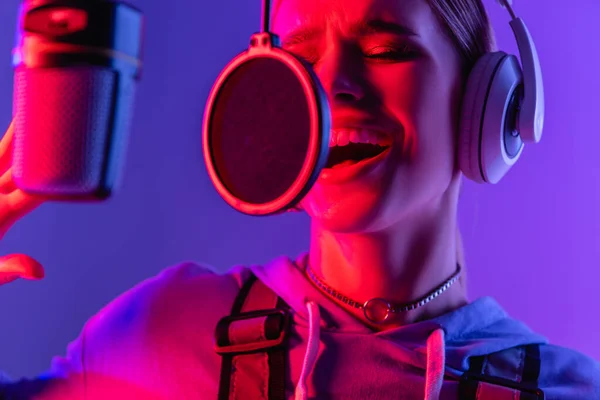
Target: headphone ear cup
(472, 112)
(488, 141)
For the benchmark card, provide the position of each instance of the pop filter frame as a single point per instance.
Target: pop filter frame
(265, 45)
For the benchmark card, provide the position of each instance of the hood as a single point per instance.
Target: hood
(439, 346)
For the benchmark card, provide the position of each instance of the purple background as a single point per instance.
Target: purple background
(532, 241)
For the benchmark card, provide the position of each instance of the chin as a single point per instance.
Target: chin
(343, 210)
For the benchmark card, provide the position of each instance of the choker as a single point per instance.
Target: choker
(379, 310)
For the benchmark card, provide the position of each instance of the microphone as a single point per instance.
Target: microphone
(76, 64)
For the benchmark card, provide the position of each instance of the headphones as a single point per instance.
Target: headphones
(503, 107)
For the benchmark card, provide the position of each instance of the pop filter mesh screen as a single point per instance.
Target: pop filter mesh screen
(259, 130)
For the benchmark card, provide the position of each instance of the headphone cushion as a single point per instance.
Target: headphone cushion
(472, 113)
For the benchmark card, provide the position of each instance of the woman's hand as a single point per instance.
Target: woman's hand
(14, 204)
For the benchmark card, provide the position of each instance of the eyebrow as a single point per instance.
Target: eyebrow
(362, 28)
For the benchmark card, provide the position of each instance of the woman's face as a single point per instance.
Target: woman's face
(394, 81)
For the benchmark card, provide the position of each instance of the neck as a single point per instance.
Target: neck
(401, 264)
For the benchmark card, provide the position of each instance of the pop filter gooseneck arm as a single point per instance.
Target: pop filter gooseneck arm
(266, 16)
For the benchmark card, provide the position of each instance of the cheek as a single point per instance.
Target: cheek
(422, 99)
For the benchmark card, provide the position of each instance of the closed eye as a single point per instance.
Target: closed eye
(383, 53)
(392, 54)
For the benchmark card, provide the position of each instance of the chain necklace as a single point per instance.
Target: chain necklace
(379, 310)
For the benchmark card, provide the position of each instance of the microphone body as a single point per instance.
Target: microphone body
(76, 64)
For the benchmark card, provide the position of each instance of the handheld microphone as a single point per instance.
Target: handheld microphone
(76, 63)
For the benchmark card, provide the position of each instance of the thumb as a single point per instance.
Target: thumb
(17, 266)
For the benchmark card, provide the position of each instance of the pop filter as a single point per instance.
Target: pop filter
(266, 127)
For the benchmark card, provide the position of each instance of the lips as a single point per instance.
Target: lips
(359, 143)
(349, 146)
(348, 171)
(352, 153)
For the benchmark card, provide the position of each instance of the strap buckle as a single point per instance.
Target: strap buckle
(276, 326)
(535, 392)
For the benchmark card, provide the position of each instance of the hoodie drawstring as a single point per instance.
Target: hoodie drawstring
(436, 357)
(436, 360)
(312, 349)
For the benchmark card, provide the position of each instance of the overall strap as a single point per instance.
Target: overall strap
(252, 342)
(475, 384)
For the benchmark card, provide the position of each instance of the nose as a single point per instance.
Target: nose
(345, 90)
(342, 77)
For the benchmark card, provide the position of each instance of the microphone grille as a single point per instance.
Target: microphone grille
(62, 127)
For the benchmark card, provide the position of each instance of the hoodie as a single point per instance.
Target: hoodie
(156, 342)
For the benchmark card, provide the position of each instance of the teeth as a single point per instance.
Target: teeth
(332, 140)
(363, 137)
(341, 137)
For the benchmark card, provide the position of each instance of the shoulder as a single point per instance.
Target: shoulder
(568, 374)
(147, 341)
(163, 316)
(184, 292)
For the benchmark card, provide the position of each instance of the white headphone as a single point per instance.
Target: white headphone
(503, 107)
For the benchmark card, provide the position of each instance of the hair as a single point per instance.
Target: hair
(467, 24)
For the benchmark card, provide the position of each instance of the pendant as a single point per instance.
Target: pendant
(377, 310)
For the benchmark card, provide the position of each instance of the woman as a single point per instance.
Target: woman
(383, 229)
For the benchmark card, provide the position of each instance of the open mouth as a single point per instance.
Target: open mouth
(352, 153)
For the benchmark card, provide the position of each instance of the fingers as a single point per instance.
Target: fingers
(17, 266)
(14, 206)
(7, 185)
(6, 147)
(20, 203)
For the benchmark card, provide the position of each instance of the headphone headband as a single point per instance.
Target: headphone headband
(531, 115)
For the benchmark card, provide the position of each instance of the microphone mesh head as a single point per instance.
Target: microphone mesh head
(62, 128)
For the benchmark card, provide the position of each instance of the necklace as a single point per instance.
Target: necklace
(378, 310)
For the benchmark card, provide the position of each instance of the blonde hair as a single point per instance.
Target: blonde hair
(467, 24)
